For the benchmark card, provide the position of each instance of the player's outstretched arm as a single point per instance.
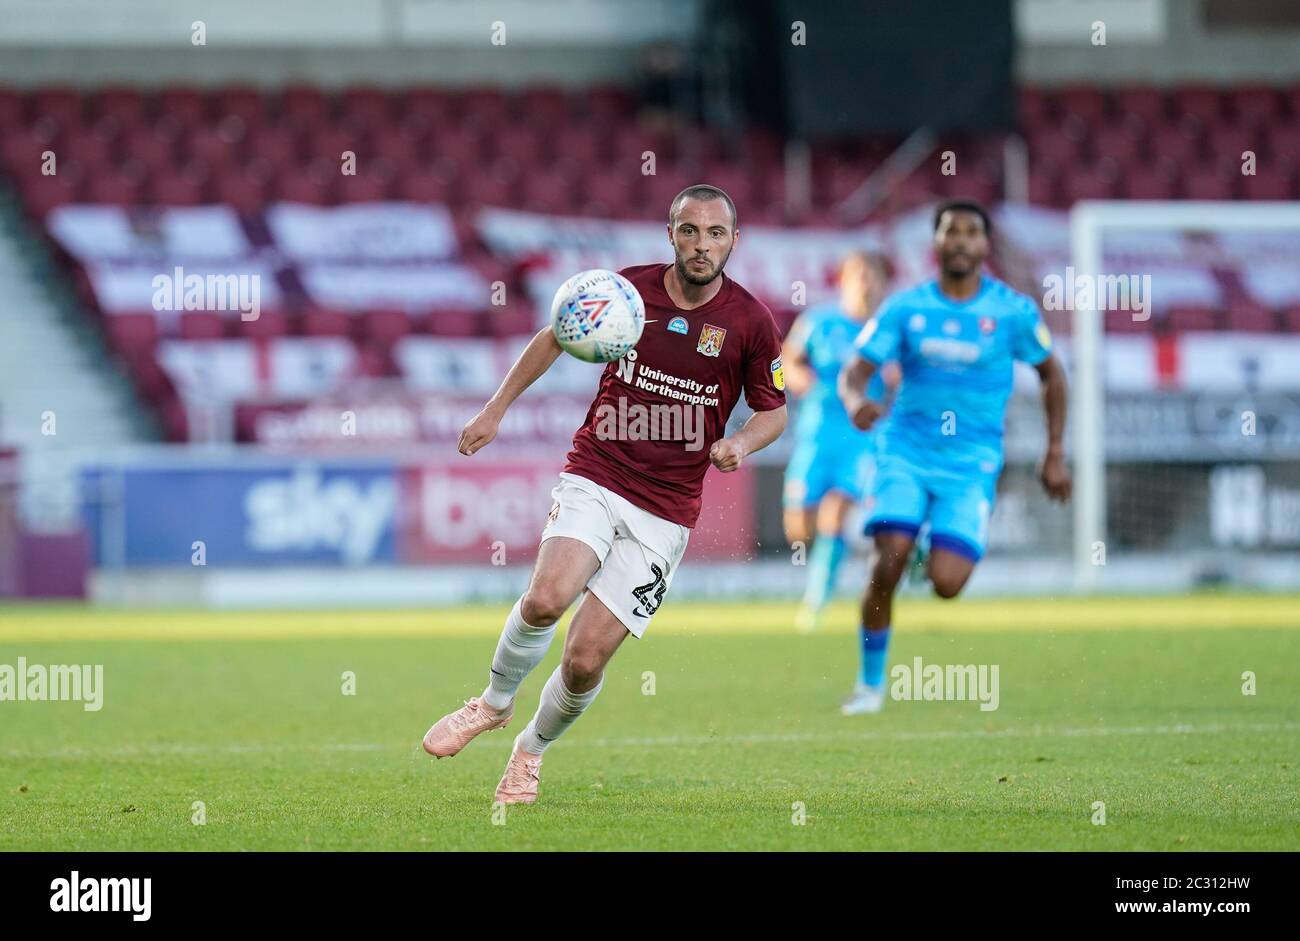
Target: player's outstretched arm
(1055, 476)
(762, 429)
(531, 365)
(851, 386)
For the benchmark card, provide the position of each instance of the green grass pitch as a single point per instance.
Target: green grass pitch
(1136, 703)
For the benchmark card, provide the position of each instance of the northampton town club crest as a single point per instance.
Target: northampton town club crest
(711, 338)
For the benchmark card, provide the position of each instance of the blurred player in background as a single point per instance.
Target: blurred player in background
(625, 506)
(939, 453)
(832, 463)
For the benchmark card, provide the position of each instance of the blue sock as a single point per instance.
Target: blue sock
(875, 653)
(823, 565)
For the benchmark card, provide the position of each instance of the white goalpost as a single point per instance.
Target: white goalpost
(1090, 222)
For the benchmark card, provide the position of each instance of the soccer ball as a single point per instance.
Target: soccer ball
(597, 316)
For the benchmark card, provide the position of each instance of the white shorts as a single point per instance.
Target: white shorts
(638, 551)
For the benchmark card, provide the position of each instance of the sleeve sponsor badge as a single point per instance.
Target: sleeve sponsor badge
(1044, 335)
(778, 375)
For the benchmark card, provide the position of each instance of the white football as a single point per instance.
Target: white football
(597, 316)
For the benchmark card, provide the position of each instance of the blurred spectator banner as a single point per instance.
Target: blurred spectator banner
(365, 256)
(364, 231)
(397, 417)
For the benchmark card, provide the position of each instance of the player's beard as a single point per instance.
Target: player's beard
(690, 277)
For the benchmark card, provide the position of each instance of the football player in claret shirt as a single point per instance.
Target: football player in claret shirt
(939, 452)
(627, 499)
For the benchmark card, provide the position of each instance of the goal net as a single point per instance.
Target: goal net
(1182, 325)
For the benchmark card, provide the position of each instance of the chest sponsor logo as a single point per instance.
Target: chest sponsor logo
(944, 350)
(711, 339)
(678, 325)
(778, 375)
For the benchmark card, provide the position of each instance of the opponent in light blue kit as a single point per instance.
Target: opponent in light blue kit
(939, 453)
(831, 467)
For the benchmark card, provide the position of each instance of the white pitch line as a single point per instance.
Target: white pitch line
(668, 741)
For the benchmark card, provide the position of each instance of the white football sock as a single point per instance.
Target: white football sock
(558, 710)
(520, 648)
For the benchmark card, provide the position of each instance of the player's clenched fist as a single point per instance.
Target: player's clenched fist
(1055, 476)
(865, 412)
(726, 455)
(478, 431)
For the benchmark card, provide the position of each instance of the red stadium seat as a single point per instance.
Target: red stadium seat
(248, 104)
(456, 323)
(202, 325)
(269, 324)
(1203, 104)
(427, 108)
(302, 106)
(1207, 183)
(1270, 181)
(1227, 142)
(11, 109)
(384, 327)
(86, 147)
(1121, 321)
(1247, 316)
(1181, 144)
(243, 192)
(188, 106)
(213, 146)
(43, 193)
(114, 188)
(363, 188)
(511, 320)
(186, 187)
(63, 107)
(1146, 104)
(312, 183)
(613, 103)
(545, 107)
(277, 145)
(484, 108)
(1192, 318)
(125, 106)
(1094, 182)
(1148, 183)
(149, 147)
(424, 185)
(322, 322)
(1255, 105)
(132, 333)
(1087, 103)
(1118, 142)
(1290, 319)
(460, 145)
(363, 106)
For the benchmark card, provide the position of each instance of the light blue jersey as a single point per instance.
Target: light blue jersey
(830, 453)
(940, 448)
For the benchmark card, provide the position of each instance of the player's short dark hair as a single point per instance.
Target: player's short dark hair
(878, 262)
(963, 205)
(700, 191)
